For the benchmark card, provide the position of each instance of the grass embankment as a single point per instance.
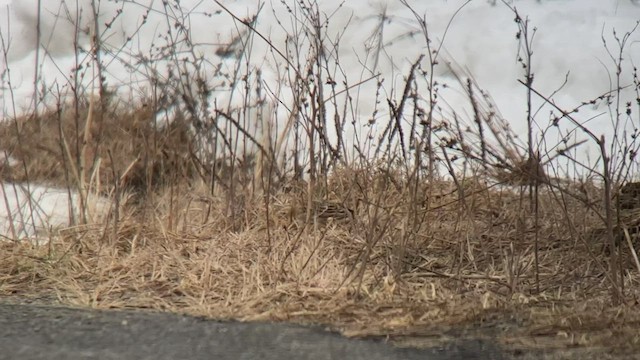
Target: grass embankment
(414, 260)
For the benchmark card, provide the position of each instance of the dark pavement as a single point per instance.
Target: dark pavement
(44, 332)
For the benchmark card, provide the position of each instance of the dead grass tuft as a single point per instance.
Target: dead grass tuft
(126, 146)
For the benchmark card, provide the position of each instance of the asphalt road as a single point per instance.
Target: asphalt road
(45, 332)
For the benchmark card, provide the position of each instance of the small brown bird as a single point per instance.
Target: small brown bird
(629, 196)
(325, 210)
(321, 211)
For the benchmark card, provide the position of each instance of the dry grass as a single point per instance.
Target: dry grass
(125, 146)
(468, 264)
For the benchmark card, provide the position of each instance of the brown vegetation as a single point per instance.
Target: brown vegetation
(125, 146)
(440, 223)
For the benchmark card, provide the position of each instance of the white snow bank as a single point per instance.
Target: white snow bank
(481, 38)
(35, 212)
